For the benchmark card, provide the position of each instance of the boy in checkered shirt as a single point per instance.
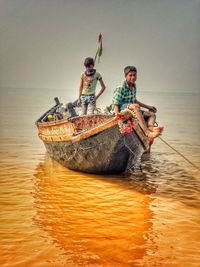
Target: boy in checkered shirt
(125, 98)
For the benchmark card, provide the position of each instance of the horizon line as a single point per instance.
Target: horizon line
(60, 89)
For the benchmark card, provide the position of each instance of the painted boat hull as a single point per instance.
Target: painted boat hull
(92, 143)
(107, 152)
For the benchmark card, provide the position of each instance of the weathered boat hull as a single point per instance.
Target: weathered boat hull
(108, 152)
(91, 143)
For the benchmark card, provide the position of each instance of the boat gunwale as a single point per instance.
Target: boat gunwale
(62, 121)
(89, 132)
(84, 133)
(81, 135)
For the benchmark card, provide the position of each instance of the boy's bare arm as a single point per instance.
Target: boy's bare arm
(154, 109)
(103, 87)
(80, 91)
(116, 109)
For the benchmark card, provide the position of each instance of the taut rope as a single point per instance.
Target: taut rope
(179, 153)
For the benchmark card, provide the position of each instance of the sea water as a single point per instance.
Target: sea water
(51, 216)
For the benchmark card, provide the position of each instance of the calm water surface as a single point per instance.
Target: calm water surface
(51, 216)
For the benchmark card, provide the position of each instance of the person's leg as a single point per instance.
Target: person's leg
(151, 135)
(136, 109)
(91, 105)
(84, 105)
(84, 109)
(151, 118)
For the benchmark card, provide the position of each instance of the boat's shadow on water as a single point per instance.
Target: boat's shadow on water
(153, 174)
(87, 215)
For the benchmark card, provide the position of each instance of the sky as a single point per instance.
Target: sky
(43, 43)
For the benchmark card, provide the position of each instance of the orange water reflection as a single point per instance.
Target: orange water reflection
(51, 216)
(95, 221)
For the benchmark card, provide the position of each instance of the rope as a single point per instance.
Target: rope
(78, 149)
(180, 154)
(132, 166)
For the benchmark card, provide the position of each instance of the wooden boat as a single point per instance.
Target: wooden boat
(91, 143)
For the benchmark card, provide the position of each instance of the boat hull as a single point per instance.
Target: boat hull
(106, 152)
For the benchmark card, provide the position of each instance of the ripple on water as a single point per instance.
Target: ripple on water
(147, 218)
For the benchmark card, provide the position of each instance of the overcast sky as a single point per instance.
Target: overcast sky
(43, 42)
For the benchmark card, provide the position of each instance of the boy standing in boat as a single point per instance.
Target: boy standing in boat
(125, 98)
(89, 79)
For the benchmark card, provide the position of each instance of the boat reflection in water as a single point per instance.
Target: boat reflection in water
(94, 220)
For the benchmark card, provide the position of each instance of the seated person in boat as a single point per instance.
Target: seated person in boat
(125, 98)
(87, 90)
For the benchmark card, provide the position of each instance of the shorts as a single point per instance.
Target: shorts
(87, 99)
(88, 104)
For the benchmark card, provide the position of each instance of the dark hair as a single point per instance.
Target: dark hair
(128, 69)
(88, 61)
